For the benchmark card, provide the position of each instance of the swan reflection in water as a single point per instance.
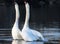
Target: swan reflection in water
(24, 42)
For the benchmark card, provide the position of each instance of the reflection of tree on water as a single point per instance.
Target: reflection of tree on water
(24, 42)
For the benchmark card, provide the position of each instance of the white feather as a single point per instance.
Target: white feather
(27, 33)
(16, 33)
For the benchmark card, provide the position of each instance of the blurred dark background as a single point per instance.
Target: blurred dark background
(45, 13)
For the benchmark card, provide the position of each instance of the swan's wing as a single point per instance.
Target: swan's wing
(28, 35)
(38, 34)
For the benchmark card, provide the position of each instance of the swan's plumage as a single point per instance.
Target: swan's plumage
(16, 33)
(38, 34)
(27, 33)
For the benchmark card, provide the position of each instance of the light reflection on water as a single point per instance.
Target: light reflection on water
(24, 42)
(7, 41)
(19, 42)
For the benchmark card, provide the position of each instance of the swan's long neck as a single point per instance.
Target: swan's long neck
(27, 15)
(17, 15)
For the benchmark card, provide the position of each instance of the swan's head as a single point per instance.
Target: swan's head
(16, 6)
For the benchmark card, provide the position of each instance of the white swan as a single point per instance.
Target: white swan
(16, 33)
(27, 33)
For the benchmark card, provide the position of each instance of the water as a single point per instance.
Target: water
(52, 34)
(20, 42)
(10, 41)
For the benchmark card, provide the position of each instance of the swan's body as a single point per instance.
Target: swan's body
(16, 33)
(27, 33)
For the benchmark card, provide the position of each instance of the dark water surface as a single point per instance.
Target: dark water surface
(52, 34)
(10, 41)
